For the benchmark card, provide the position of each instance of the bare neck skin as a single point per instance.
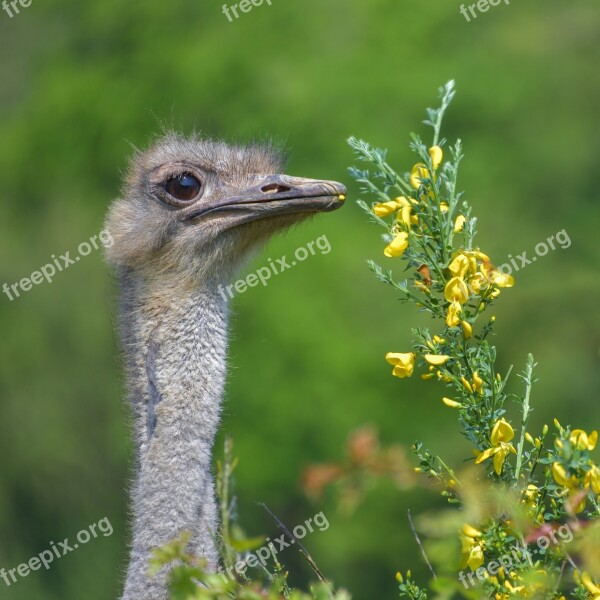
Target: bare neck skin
(175, 343)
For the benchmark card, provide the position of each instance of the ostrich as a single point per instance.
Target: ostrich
(191, 214)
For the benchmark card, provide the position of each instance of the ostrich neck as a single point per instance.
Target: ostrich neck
(175, 343)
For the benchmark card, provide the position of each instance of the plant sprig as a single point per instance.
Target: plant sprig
(429, 227)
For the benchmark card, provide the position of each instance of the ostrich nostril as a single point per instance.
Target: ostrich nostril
(275, 188)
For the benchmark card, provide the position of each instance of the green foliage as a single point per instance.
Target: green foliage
(518, 521)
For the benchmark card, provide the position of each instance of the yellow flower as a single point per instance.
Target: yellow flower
(530, 496)
(444, 207)
(421, 286)
(589, 585)
(502, 434)
(459, 223)
(498, 278)
(472, 547)
(466, 385)
(437, 155)
(514, 590)
(454, 310)
(403, 363)
(560, 476)
(451, 403)
(467, 330)
(397, 246)
(437, 360)
(477, 382)
(582, 441)
(456, 289)
(592, 479)
(418, 173)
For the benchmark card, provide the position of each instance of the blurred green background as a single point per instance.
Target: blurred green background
(81, 81)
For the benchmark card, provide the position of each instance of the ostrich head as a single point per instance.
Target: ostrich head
(198, 207)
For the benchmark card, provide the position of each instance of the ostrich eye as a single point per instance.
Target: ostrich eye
(184, 187)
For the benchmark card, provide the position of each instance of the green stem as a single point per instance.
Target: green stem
(528, 378)
(448, 93)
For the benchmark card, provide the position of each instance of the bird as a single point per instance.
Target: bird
(191, 213)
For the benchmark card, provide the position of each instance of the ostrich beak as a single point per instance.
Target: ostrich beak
(276, 195)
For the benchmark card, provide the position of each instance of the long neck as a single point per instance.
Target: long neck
(175, 343)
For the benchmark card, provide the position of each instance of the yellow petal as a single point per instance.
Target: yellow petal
(459, 223)
(384, 209)
(437, 155)
(560, 474)
(456, 289)
(454, 310)
(504, 280)
(592, 479)
(502, 432)
(475, 558)
(477, 382)
(486, 454)
(418, 173)
(480, 255)
(403, 201)
(402, 371)
(467, 330)
(397, 246)
(451, 403)
(404, 215)
(470, 531)
(466, 385)
(589, 584)
(499, 459)
(478, 282)
(459, 266)
(437, 360)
